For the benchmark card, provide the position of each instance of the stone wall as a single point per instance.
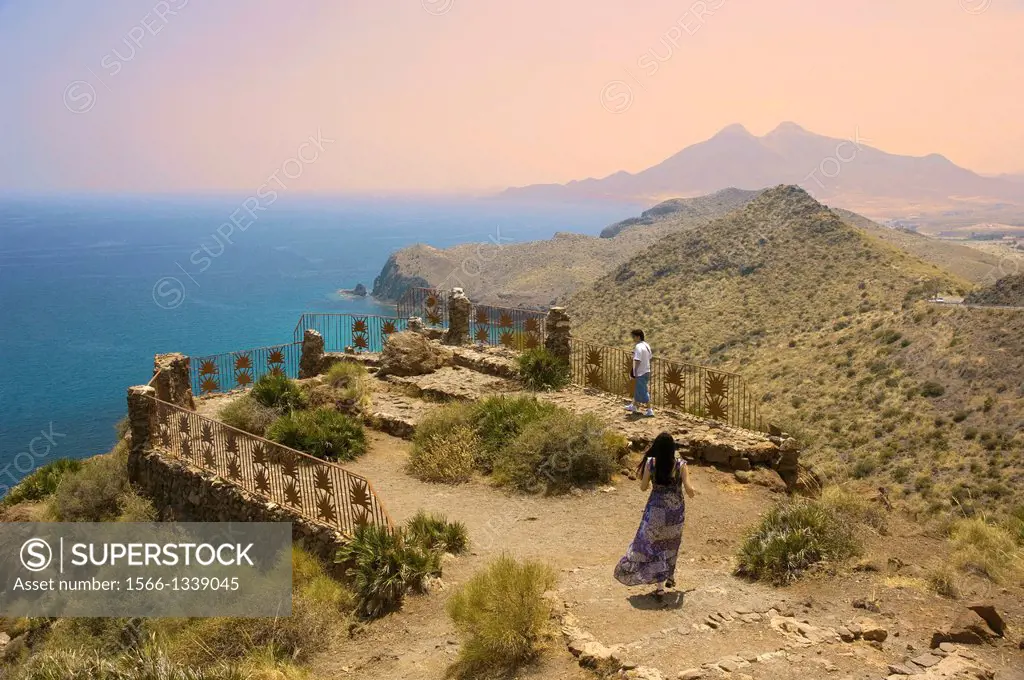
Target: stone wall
(182, 493)
(172, 380)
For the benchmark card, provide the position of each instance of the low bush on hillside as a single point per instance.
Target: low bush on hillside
(436, 533)
(352, 380)
(791, 538)
(249, 415)
(278, 391)
(42, 483)
(383, 566)
(542, 370)
(499, 420)
(986, 550)
(558, 452)
(97, 492)
(324, 433)
(502, 616)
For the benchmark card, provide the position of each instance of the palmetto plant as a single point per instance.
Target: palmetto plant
(383, 566)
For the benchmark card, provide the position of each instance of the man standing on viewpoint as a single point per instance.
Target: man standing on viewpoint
(641, 370)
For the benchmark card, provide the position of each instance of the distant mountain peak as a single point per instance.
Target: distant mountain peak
(736, 129)
(788, 127)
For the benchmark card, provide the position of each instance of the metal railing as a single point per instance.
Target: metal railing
(362, 333)
(239, 370)
(687, 388)
(519, 329)
(430, 304)
(316, 489)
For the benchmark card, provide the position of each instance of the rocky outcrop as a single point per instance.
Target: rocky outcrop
(392, 282)
(410, 353)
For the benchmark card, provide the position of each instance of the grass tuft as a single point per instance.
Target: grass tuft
(502, 617)
(558, 452)
(278, 391)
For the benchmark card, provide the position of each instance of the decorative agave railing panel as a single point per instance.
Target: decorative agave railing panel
(316, 489)
(363, 333)
(518, 329)
(677, 386)
(239, 370)
(430, 304)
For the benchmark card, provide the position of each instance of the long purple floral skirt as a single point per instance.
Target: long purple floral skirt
(651, 557)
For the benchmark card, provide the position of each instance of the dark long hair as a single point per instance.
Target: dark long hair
(663, 450)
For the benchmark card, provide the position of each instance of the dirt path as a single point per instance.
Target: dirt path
(583, 536)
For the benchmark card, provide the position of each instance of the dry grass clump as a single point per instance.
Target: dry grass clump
(986, 550)
(945, 581)
(854, 506)
(502, 616)
(323, 432)
(525, 442)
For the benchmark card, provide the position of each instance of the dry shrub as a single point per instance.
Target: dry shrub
(42, 482)
(146, 663)
(502, 616)
(447, 458)
(558, 452)
(248, 415)
(352, 382)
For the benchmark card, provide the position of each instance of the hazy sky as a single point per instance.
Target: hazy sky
(454, 95)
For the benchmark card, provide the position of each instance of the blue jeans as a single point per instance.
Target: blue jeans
(641, 395)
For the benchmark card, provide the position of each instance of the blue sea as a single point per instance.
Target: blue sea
(92, 287)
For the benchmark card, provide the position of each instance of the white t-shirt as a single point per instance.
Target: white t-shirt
(642, 353)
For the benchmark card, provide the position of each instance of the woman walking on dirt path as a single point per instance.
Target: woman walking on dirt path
(651, 557)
